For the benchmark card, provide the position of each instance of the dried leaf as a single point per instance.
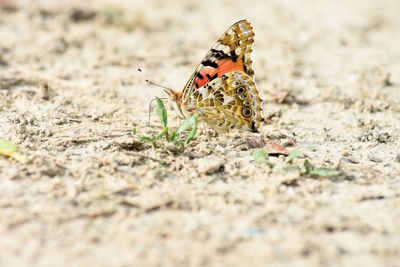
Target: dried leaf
(274, 149)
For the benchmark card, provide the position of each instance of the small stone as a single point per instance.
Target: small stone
(129, 143)
(255, 141)
(374, 159)
(23, 122)
(383, 137)
(203, 148)
(353, 160)
(58, 122)
(172, 147)
(48, 133)
(45, 133)
(80, 14)
(345, 153)
(219, 149)
(209, 164)
(289, 143)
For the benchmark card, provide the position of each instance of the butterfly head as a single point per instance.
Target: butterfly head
(176, 100)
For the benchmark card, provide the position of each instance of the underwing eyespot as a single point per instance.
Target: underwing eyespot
(242, 96)
(246, 112)
(240, 90)
(246, 103)
(235, 83)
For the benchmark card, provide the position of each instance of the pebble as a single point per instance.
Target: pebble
(345, 153)
(353, 160)
(219, 149)
(58, 122)
(374, 159)
(383, 137)
(209, 164)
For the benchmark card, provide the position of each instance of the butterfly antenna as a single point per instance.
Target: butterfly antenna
(153, 83)
(151, 101)
(159, 85)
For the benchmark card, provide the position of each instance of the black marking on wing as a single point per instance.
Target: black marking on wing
(210, 78)
(209, 63)
(253, 127)
(233, 56)
(218, 54)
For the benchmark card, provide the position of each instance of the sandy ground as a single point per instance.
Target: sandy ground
(329, 72)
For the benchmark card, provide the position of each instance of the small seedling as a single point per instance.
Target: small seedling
(175, 136)
(294, 155)
(307, 168)
(259, 155)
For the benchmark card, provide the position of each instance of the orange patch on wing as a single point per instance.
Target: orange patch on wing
(224, 66)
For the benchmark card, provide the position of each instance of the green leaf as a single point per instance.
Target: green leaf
(187, 124)
(193, 131)
(294, 155)
(146, 139)
(162, 133)
(162, 112)
(259, 155)
(325, 172)
(173, 136)
(7, 148)
(133, 132)
(307, 166)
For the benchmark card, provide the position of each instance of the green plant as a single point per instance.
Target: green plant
(261, 156)
(294, 155)
(318, 171)
(172, 136)
(8, 149)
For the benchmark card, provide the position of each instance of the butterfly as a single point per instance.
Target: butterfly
(222, 91)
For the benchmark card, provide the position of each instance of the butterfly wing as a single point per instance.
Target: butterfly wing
(229, 101)
(230, 53)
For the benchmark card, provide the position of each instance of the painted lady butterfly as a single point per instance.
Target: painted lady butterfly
(221, 91)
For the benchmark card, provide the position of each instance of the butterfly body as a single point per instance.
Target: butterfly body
(222, 89)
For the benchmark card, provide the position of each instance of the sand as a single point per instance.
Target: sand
(94, 195)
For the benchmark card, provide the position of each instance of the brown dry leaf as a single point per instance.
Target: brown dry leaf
(274, 149)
